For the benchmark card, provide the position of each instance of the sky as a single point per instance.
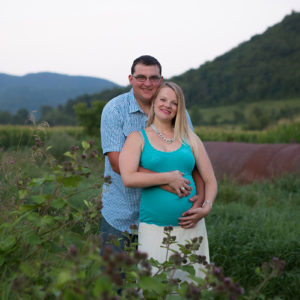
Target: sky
(101, 38)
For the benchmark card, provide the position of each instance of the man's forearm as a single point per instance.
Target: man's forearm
(200, 187)
(141, 169)
(165, 187)
(113, 158)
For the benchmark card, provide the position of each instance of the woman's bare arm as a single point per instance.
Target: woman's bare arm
(193, 215)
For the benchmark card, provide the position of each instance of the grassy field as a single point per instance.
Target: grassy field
(281, 133)
(226, 113)
(61, 138)
(251, 224)
(18, 137)
(248, 225)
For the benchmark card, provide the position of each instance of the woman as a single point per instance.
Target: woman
(169, 148)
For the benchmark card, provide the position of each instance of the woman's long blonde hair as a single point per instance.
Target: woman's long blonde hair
(182, 130)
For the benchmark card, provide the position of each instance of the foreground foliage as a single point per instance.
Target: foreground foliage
(251, 224)
(49, 242)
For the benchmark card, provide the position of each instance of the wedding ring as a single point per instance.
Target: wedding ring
(182, 189)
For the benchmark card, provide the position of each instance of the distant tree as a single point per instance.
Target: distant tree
(45, 109)
(21, 117)
(5, 117)
(257, 119)
(89, 117)
(214, 119)
(57, 117)
(196, 115)
(238, 116)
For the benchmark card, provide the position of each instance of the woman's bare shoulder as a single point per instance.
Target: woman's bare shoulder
(135, 136)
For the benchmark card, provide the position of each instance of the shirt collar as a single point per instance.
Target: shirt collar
(133, 104)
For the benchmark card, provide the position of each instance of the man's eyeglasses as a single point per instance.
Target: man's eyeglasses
(142, 78)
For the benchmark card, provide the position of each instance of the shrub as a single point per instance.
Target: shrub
(89, 117)
(60, 143)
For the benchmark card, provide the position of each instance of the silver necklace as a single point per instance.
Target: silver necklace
(169, 141)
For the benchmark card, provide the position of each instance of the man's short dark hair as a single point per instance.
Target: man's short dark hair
(146, 60)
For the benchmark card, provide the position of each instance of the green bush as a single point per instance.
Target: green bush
(89, 117)
(60, 143)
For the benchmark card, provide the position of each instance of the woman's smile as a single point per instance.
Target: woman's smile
(166, 103)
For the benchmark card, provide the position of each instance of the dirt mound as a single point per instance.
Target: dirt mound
(248, 162)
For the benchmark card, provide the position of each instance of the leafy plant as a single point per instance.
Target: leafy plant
(89, 117)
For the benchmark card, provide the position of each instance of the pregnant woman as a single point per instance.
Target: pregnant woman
(170, 149)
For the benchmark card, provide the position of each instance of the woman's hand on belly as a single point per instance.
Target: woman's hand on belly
(191, 217)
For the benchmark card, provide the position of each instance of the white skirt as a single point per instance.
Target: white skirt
(151, 237)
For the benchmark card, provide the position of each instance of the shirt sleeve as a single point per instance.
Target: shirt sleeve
(189, 120)
(112, 136)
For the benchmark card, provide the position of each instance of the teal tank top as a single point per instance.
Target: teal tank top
(158, 206)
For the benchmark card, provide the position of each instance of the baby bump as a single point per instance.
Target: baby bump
(163, 208)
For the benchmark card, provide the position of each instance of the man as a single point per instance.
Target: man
(121, 116)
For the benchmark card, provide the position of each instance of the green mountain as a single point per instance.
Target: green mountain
(35, 90)
(265, 67)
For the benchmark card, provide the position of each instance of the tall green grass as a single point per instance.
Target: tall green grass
(226, 112)
(24, 136)
(251, 224)
(281, 133)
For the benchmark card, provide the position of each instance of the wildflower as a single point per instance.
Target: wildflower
(117, 279)
(133, 227)
(107, 179)
(73, 250)
(168, 228)
(93, 154)
(67, 166)
(140, 255)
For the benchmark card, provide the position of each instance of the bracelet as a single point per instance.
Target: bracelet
(207, 202)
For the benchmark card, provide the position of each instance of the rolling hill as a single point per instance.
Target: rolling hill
(32, 91)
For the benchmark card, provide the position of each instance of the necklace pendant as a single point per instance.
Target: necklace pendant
(166, 140)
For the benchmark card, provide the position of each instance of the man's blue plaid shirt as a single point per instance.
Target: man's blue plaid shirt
(120, 116)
